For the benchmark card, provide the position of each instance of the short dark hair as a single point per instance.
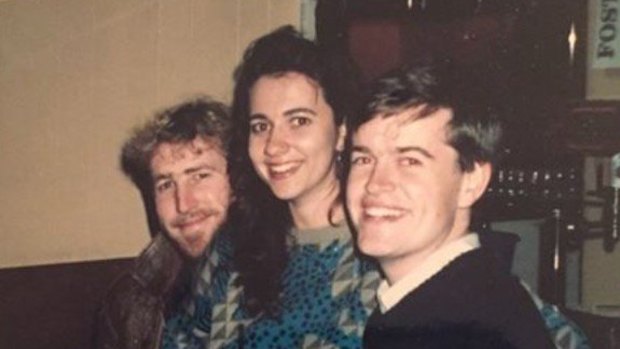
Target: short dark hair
(182, 123)
(474, 130)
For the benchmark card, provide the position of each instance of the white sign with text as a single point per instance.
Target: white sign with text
(606, 50)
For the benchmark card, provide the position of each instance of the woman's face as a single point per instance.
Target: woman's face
(293, 137)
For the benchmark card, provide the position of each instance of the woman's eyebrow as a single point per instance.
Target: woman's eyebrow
(294, 111)
(259, 116)
(361, 149)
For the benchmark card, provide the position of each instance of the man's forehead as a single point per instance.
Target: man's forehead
(391, 125)
(196, 147)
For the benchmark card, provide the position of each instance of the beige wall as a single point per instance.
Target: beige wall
(75, 76)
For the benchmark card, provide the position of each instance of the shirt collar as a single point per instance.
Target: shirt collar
(388, 296)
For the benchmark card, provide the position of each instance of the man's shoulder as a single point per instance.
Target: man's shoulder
(465, 286)
(470, 291)
(476, 280)
(478, 272)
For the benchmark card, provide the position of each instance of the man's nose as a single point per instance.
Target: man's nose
(380, 179)
(185, 199)
(277, 142)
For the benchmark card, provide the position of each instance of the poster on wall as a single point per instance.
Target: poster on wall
(606, 52)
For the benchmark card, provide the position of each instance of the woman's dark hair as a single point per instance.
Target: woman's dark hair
(262, 221)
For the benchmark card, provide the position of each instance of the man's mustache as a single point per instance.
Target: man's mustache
(200, 214)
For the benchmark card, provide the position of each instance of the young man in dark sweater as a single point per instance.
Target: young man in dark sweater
(421, 155)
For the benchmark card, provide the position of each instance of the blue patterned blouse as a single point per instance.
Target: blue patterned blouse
(328, 294)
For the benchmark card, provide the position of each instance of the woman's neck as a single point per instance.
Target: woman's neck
(319, 208)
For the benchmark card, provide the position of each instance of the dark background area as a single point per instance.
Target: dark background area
(64, 317)
(519, 48)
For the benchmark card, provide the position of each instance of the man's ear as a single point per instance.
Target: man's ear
(474, 184)
(342, 134)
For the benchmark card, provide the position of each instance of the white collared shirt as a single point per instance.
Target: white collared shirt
(388, 296)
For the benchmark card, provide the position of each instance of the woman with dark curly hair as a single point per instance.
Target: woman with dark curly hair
(294, 253)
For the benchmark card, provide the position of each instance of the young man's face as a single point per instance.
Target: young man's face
(405, 189)
(192, 191)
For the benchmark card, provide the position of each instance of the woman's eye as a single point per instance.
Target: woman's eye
(259, 127)
(360, 160)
